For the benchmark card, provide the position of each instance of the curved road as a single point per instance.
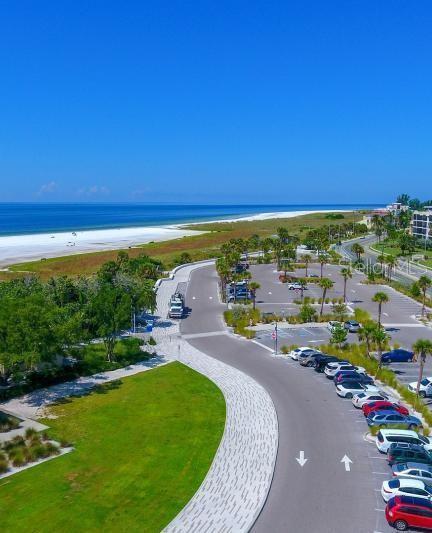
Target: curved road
(320, 496)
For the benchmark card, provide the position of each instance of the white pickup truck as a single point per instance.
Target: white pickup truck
(176, 308)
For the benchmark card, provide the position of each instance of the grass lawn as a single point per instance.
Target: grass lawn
(200, 246)
(392, 248)
(143, 447)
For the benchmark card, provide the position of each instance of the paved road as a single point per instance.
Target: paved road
(320, 496)
(406, 272)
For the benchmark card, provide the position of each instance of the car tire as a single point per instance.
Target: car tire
(422, 394)
(349, 395)
(400, 525)
(410, 360)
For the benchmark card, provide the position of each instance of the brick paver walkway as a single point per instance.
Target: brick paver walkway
(236, 486)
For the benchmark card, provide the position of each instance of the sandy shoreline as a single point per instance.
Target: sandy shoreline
(22, 248)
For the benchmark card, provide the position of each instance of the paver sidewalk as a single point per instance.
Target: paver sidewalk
(236, 486)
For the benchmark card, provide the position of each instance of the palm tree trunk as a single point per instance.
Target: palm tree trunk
(422, 362)
(322, 301)
(379, 314)
(322, 266)
(306, 269)
(379, 356)
(424, 302)
(345, 286)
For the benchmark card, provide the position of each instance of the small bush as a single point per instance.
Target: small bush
(4, 466)
(30, 432)
(18, 458)
(284, 349)
(152, 341)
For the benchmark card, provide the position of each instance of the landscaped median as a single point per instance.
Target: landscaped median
(142, 447)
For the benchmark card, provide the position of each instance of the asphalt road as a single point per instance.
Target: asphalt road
(321, 496)
(406, 272)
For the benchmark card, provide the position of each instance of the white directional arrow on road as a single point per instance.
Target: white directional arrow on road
(301, 460)
(345, 459)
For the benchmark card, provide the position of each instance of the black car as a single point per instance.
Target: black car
(321, 362)
(403, 452)
(352, 375)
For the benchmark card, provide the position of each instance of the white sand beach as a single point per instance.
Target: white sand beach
(21, 248)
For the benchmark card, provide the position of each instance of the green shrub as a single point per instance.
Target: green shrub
(4, 466)
(152, 341)
(18, 458)
(30, 432)
(284, 349)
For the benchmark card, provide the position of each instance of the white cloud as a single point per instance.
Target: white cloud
(47, 188)
(93, 190)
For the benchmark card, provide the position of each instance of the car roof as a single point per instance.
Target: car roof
(416, 483)
(418, 466)
(398, 432)
(412, 500)
(387, 412)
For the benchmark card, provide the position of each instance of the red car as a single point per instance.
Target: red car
(383, 405)
(403, 512)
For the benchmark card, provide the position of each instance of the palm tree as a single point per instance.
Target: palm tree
(391, 261)
(422, 348)
(365, 334)
(253, 287)
(358, 250)
(424, 282)
(306, 259)
(325, 285)
(322, 259)
(224, 271)
(379, 337)
(346, 274)
(283, 235)
(380, 298)
(302, 282)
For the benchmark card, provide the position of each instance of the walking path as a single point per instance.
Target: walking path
(236, 486)
(33, 404)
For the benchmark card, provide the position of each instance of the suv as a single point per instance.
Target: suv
(333, 368)
(385, 437)
(403, 452)
(403, 512)
(352, 326)
(308, 358)
(321, 362)
(425, 388)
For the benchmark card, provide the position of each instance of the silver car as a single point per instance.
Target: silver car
(419, 471)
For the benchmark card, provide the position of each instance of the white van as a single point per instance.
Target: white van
(385, 437)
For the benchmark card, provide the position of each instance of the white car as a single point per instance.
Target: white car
(294, 354)
(295, 286)
(406, 487)
(385, 437)
(417, 471)
(331, 369)
(347, 389)
(333, 325)
(364, 397)
(425, 387)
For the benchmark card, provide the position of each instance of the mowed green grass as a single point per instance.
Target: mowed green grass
(142, 450)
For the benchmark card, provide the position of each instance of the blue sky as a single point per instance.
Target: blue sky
(239, 101)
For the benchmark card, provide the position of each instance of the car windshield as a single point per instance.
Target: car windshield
(425, 381)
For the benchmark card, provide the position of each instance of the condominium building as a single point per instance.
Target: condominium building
(421, 223)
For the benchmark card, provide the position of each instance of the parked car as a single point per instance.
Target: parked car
(307, 358)
(363, 398)
(392, 418)
(405, 487)
(321, 362)
(296, 286)
(403, 452)
(294, 354)
(413, 470)
(384, 405)
(352, 375)
(333, 325)
(397, 356)
(403, 512)
(385, 437)
(347, 389)
(332, 368)
(352, 326)
(425, 387)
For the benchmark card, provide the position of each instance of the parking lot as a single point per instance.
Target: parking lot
(274, 296)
